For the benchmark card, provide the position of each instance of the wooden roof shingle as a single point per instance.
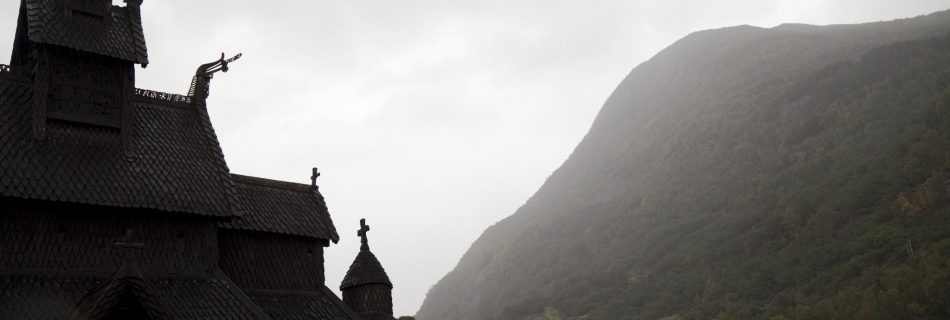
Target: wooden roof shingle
(121, 38)
(302, 305)
(281, 207)
(365, 269)
(174, 164)
(61, 297)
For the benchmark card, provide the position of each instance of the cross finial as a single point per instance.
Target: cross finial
(313, 178)
(364, 228)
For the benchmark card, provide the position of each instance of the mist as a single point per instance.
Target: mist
(432, 120)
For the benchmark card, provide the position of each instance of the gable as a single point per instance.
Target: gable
(126, 296)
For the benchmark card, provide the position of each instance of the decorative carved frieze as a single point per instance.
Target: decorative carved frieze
(171, 97)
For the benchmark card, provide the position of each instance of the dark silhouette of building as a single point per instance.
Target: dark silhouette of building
(117, 202)
(366, 287)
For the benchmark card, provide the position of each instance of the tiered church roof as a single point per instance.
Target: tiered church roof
(118, 202)
(174, 163)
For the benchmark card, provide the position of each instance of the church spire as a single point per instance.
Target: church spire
(366, 287)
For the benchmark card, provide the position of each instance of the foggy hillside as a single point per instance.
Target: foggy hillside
(795, 172)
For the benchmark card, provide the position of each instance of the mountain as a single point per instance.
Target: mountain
(797, 172)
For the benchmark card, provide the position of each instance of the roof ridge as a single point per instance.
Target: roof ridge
(181, 99)
(277, 184)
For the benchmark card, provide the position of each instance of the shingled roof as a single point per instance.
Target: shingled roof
(53, 297)
(122, 38)
(281, 207)
(175, 162)
(300, 305)
(99, 302)
(365, 269)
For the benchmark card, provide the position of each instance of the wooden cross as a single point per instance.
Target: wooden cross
(362, 232)
(313, 178)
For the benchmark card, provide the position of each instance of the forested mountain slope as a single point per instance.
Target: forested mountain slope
(795, 172)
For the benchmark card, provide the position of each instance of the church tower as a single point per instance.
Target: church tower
(118, 202)
(366, 287)
(80, 55)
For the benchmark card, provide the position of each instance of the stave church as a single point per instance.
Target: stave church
(117, 203)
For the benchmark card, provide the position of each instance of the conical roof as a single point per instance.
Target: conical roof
(365, 269)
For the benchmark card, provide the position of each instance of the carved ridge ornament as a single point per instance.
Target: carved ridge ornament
(202, 76)
(202, 79)
(220, 65)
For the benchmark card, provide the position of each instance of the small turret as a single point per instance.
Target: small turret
(366, 287)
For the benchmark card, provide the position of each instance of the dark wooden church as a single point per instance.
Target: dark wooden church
(117, 203)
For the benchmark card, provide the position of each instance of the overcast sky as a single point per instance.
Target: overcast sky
(432, 119)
